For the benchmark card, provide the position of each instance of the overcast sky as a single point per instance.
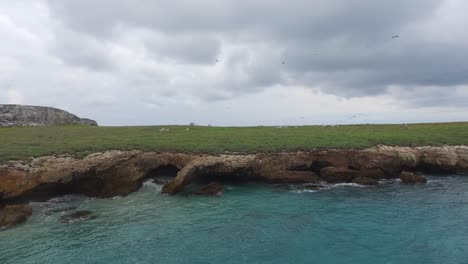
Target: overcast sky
(238, 62)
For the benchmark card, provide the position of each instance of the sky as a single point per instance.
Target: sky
(238, 62)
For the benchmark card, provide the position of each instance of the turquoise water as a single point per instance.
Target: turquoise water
(390, 223)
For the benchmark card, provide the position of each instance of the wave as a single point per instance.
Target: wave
(304, 191)
(346, 184)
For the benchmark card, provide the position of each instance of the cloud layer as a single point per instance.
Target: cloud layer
(123, 62)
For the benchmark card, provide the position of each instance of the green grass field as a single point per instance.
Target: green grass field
(25, 142)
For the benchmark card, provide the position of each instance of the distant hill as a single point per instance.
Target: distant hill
(27, 115)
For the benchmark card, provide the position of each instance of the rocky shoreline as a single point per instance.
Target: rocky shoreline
(118, 173)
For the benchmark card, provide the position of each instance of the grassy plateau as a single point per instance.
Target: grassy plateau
(25, 142)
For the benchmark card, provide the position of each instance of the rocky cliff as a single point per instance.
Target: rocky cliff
(25, 115)
(115, 173)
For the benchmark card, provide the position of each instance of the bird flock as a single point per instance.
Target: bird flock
(283, 62)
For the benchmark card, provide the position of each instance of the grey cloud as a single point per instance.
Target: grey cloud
(433, 96)
(294, 17)
(115, 54)
(184, 48)
(82, 51)
(344, 47)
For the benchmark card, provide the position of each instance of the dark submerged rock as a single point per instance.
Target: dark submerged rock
(412, 178)
(77, 216)
(365, 181)
(60, 210)
(12, 215)
(213, 188)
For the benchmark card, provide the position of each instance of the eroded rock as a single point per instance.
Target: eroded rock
(118, 173)
(12, 215)
(59, 210)
(160, 182)
(108, 174)
(77, 217)
(365, 181)
(214, 189)
(338, 175)
(412, 178)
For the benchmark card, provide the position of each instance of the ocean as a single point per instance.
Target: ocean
(253, 223)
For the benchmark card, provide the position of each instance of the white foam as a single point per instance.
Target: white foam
(348, 185)
(304, 191)
(386, 181)
(150, 183)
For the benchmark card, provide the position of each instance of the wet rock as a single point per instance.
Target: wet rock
(104, 175)
(118, 173)
(365, 181)
(60, 210)
(338, 175)
(159, 181)
(372, 173)
(77, 216)
(12, 215)
(291, 177)
(411, 178)
(213, 188)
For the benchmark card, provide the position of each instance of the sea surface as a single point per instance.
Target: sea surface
(253, 223)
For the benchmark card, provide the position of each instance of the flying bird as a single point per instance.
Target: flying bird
(283, 62)
(396, 36)
(354, 116)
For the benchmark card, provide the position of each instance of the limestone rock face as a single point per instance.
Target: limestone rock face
(26, 115)
(108, 174)
(336, 175)
(12, 215)
(117, 173)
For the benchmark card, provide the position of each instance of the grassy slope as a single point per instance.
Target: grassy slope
(24, 142)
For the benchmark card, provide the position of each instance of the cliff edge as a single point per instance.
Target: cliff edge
(26, 115)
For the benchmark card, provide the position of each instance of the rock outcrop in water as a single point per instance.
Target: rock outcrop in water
(411, 178)
(25, 115)
(213, 188)
(12, 215)
(365, 181)
(118, 173)
(77, 216)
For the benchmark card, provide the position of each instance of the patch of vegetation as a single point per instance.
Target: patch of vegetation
(25, 142)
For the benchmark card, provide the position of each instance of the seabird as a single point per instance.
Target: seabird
(396, 36)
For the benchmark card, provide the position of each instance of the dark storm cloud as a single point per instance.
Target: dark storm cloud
(340, 47)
